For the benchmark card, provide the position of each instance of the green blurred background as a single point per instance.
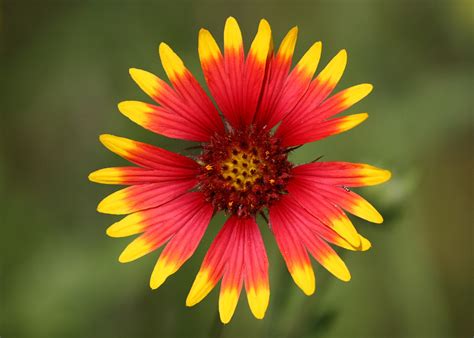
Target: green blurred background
(63, 70)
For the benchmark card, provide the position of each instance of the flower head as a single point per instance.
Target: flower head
(264, 110)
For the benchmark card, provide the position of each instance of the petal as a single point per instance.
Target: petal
(342, 173)
(327, 257)
(234, 59)
(182, 245)
(236, 82)
(212, 268)
(136, 175)
(162, 217)
(311, 132)
(162, 224)
(146, 155)
(254, 74)
(190, 90)
(327, 214)
(136, 249)
(144, 196)
(339, 241)
(297, 83)
(317, 92)
(217, 79)
(233, 273)
(299, 223)
(237, 255)
(292, 250)
(341, 101)
(332, 73)
(161, 121)
(224, 75)
(277, 73)
(314, 121)
(171, 101)
(256, 270)
(342, 197)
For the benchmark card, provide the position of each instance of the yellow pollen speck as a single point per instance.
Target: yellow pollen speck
(272, 181)
(208, 167)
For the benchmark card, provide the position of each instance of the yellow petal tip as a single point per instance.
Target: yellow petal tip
(136, 249)
(202, 285)
(364, 244)
(163, 269)
(92, 176)
(304, 278)
(228, 300)
(258, 301)
(105, 138)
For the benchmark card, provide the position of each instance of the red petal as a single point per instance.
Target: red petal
(256, 269)
(292, 249)
(146, 155)
(162, 121)
(180, 104)
(144, 196)
(190, 90)
(183, 243)
(136, 175)
(161, 224)
(340, 196)
(278, 68)
(237, 254)
(342, 173)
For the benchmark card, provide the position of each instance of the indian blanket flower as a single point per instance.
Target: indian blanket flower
(264, 110)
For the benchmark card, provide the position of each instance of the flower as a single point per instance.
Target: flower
(243, 170)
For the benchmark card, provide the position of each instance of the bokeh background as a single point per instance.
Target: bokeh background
(63, 70)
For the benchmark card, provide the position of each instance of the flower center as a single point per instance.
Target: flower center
(243, 171)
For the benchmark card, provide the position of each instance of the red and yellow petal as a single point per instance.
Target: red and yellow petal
(327, 214)
(232, 279)
(161, 221)
(122, 175)
(173, 103)
(310, 132)
(278, 68)
(161, 121)
(293, 251)
(348, 200)
(256, 269)
(146, 155)
(317, 92)
(297, 84)
(190, 90)
(342, 173)
(340, 102)
(182, 245)
(215, 74)
(181, 222)
(238, 256)
(212, 267)
(144, 196)
(234, 61)
(298, 223)
(254, 74)
(332, 73)
(234, 80)
(328, 258)
(339, 241)
(137, 175)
